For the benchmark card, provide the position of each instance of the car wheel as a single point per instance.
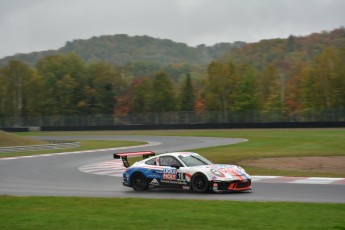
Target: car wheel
(200, 183)
(139, 182)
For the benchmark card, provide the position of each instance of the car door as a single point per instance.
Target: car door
(173, 174)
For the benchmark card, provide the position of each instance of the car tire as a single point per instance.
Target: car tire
(139, 182)
(200, 183)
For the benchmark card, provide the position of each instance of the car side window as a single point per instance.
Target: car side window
(151, 161)
(168, 161)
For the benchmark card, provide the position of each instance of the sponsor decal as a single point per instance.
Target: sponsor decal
(174, 182)
(169, 174)
(154, 175)
(154, 182)
(169, 170)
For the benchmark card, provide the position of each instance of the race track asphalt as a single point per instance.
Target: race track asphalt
(59, 175)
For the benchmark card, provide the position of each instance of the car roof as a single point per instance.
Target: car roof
(176, 154)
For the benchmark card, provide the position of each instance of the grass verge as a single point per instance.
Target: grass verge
(108, 213)
(10, 139)
(262, 143)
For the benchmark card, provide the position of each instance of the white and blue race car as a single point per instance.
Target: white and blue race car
(182, 170)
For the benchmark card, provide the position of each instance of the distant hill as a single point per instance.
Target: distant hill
(292, 49)
(123, 49)
(129, 51)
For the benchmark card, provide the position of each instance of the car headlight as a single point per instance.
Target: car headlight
(240, 168)
(217, 173)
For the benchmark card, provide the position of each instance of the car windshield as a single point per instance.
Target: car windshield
(194, 160)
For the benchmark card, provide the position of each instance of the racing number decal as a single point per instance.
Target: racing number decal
(181, 176)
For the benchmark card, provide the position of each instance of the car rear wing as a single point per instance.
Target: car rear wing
(124, 156)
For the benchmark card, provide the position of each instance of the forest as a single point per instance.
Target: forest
(300, 78)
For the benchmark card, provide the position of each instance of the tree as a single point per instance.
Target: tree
(140, 95)
(294, 89)
(246, 92)
(221, 82)
(270, 89)
(66, 88)
(338, 82)
(187, 95)
(324, 84)
(57, 69)
(107, 84)
(162, 97)
(16, 76)
(34, 94)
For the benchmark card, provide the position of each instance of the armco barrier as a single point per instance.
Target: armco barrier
(15, 129)
(60, 145)
(199, 126)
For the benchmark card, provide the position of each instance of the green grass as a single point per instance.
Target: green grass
(108, 213)
(261, 143)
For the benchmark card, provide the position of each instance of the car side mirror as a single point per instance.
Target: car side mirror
(175, 166)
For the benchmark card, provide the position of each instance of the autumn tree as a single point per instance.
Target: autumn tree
(324, 84)
(338, 82)
(140, 92)
(294, 89)
(270, 84)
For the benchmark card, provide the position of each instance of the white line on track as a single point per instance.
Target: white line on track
(298, 180)
(78, 152)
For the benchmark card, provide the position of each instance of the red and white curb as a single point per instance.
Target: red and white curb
(109, 168)
(116, 168)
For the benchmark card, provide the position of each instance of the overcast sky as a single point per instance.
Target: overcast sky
(37, 25)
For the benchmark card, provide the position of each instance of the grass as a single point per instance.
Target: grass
(111, 213)
(261, 143)
(108, 213)
(280, 143)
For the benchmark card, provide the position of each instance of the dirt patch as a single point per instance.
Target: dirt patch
(305, 164)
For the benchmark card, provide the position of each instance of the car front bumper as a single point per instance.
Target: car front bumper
(231, 185)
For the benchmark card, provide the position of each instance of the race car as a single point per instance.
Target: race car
(182, 170)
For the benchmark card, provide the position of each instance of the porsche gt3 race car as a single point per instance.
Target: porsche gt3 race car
(182, 170)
